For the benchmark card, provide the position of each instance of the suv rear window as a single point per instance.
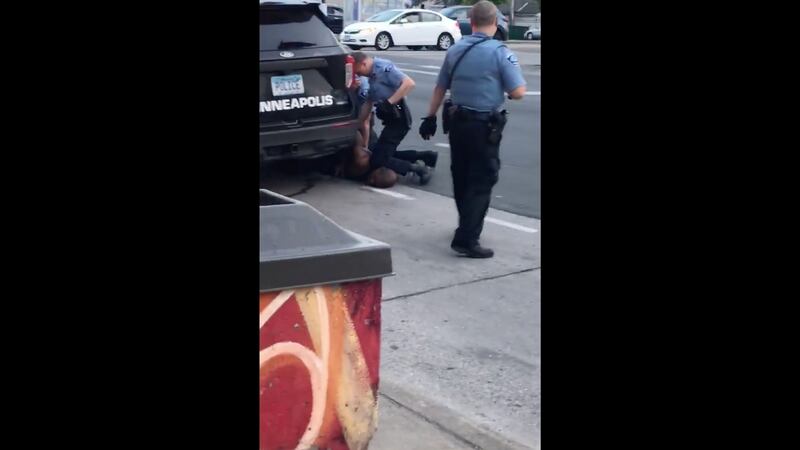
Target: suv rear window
(278, 24)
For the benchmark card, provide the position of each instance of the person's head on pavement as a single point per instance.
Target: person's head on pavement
(363, 63)
(382, 178)
(483, 18)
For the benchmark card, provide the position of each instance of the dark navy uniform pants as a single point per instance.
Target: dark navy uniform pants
(384, 153)
(475, 167)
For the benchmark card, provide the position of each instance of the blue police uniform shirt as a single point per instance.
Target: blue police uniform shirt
(487, 72)
(384, 81)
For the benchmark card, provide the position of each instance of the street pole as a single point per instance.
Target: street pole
(512, 17)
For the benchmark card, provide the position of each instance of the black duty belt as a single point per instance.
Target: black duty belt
(466, 113)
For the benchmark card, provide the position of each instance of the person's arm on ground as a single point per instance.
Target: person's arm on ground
(365, 110)
(365, 131)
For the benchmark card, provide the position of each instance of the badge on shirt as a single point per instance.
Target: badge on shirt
(512, 58)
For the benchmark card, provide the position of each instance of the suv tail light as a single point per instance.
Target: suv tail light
(349, 73)
(458, 27)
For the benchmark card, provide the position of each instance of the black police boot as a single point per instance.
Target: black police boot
(472, 251)
(422, 171)
(429, 157)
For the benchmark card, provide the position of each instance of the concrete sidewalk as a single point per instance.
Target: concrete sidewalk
(402, 428)
(460, 344)
(407, 422)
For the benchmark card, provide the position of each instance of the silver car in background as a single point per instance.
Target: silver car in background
(535, 30)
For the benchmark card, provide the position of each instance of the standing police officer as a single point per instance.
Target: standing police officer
(477, 70)
(388, 87)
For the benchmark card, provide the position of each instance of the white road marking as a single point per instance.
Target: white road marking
(388, 192)
(442, 144)
(426, 194)
(419, 71)
(510, 225)
(534, 93)
(405, 64)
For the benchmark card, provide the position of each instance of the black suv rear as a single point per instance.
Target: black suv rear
(335, 19)
(307, 108)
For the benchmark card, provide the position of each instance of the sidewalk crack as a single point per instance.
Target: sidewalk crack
(463, 283)
(436, 424)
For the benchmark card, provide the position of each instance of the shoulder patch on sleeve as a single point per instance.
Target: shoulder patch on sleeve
(512, 58)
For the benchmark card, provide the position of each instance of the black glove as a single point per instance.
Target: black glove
(428, 127)
(387, 111)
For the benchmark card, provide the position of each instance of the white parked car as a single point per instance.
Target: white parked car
(413, 28)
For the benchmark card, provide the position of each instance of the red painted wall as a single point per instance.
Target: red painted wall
(320, 352)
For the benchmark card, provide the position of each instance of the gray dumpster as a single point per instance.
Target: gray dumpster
(320, 298)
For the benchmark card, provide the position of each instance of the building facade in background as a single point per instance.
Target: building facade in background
(359, 10)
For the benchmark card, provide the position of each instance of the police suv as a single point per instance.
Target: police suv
(306, 104)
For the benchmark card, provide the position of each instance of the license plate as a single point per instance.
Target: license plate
(287, 85)
(349, 39)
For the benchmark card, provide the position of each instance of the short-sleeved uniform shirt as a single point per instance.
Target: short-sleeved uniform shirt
(384, 81)
(487, 72)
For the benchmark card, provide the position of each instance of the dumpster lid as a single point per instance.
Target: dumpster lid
(302, 247)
